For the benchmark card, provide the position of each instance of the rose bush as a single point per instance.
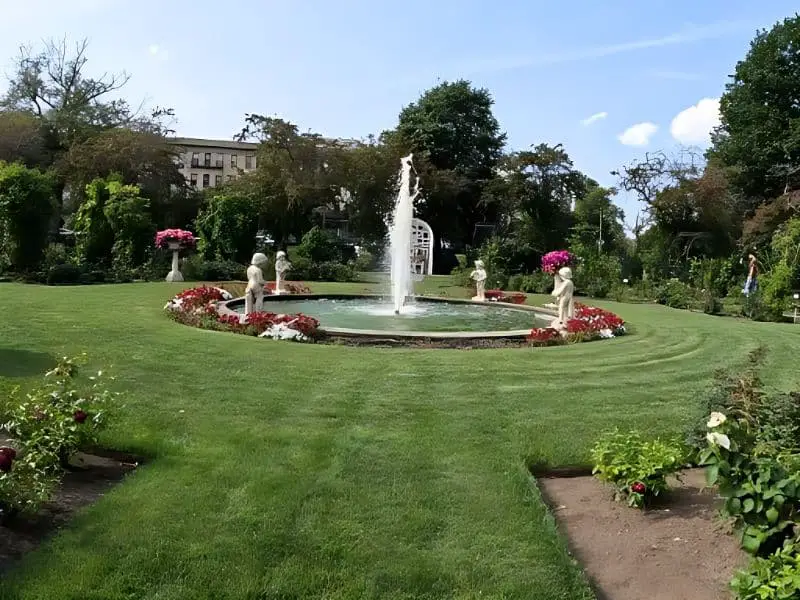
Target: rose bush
(61, 416)
(636, 467)
(25, 481)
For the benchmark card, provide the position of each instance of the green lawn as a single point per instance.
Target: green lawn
(283, 471)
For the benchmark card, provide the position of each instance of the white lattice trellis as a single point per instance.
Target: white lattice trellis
(421, 249)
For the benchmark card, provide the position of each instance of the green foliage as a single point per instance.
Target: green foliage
(227, 226)
(760, 124)
(305, 270)
(129, 217)
(365, 262)
(718, 276)
(319, 246)
(95, 237)
(195, 268)
(776, 577)
(538, 282)
(675, 294)
(26, 210)
(61, 416)
(627, 461)
(598, 274)
(27, 485)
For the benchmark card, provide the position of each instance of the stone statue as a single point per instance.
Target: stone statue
(282, 265)
(479, 275)
(563, 292)
(254, 294)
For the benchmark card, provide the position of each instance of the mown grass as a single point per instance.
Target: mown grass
(282, 471)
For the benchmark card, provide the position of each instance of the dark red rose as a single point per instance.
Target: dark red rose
(5, 463)
(638, 488)
(9, 452)
(79, 416)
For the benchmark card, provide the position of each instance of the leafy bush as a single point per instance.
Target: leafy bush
(365, 262)
(306, 270)
(66, 274)
(776, 577)
(598, 274)
(675, 294)
(711, 304)
(636, 467)
(717, 276)
(318, 246)
(195, 268)
(227, 226)
(27, 204)
(535, 283)
(25, 481)
(57, 419)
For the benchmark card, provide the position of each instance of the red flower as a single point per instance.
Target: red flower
(9, 452)
(638, 488)
(5, 463)
(79, 416)
(542, 335)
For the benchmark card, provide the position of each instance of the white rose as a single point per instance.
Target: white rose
(715, 420)
(719, 439)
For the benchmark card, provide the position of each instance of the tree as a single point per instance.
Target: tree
(51, 84)
(597, 219)
(759, 136)
(227, 226)
(293, 175)
(26, 208)
(457, 143)
(534, 194)
(22, 138)
(128, 215)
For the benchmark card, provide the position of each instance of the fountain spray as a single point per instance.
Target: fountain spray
(400, 234)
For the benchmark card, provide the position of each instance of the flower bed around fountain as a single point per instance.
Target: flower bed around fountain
(493, 324)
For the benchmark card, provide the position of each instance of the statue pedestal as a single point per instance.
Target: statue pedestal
(175, 274)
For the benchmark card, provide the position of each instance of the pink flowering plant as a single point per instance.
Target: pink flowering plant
(553, 261)
(175, 236)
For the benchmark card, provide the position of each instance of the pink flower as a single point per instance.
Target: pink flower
(553, 261)
(180, 236)
(638, 488)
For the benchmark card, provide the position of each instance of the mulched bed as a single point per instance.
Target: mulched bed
(676, 550)
(92, 476)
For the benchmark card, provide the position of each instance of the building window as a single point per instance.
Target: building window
(206, 180)
(248, 161)
(230, 177)
(195, 159)
(207, 159)
(193, 179)
(217, 180)
(234, 161)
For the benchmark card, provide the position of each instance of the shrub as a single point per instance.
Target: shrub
(304, 269)
(776, 577)
(535, 283)
(227, 226)
(675, 294)
(25, 481)
(637, 468)
(711, 304)
(58, 418)
(195, 268)
(365, 262)
(27, 205)
(319, 246)
(66, 274)
(598, 274)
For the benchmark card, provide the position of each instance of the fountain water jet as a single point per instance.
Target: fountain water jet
(400, 234)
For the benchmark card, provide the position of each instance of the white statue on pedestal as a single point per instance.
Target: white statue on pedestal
(254, 294)
(282, 265)
(563, 293)
(479, 276)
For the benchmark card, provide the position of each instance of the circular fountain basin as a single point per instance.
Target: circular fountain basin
(372, 317)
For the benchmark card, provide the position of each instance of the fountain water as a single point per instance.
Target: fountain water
(400, 235)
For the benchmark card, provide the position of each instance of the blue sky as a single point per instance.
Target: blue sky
(606, 79)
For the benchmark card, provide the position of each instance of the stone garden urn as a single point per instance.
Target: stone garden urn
(175, 273)
(175, 240)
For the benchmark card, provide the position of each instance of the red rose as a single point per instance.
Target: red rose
(79, 416)
(9, 452)
(638, 488)
(5, 463)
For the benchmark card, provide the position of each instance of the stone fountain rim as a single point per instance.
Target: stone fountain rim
(515, 334)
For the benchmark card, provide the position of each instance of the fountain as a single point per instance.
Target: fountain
(400, 235)
(381, 318)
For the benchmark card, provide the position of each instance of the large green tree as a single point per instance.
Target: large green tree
(759, 137)
(457, 143)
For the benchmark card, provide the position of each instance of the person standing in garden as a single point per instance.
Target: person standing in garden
(751, 284)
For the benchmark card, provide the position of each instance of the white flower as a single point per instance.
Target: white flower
(715, 420)
(606, 334)
(719, 439)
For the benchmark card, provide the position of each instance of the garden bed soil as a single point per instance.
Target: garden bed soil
(91, 476)
(675, 550)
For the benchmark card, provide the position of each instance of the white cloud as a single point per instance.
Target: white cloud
(157, 52)
(594, 118)
(693, 125)
(638, 135)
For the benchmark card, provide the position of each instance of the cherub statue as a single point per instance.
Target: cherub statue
(282, 265)
(254, 294)
(479, 276)
(563, 292)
